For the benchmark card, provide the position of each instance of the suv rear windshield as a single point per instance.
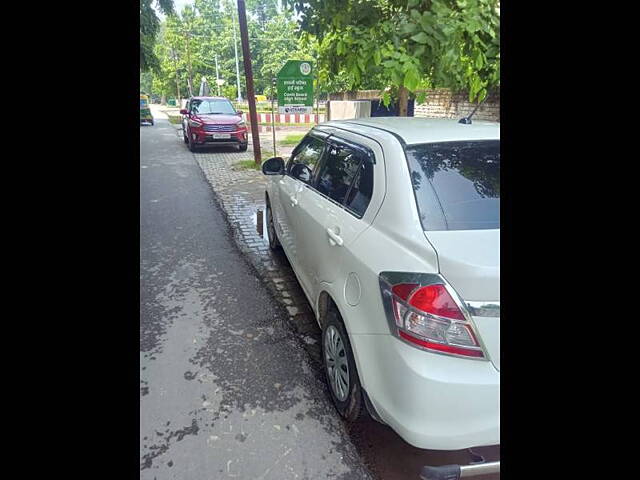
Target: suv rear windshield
(456, 184)
(212, 107)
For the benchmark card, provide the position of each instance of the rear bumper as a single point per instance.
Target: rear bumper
(431, 400)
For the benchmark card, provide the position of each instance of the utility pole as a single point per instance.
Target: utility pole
(217, 76)
(246, 54)
(235, 47)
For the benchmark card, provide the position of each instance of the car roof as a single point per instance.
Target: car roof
(414, 130)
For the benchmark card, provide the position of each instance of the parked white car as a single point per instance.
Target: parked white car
(392, 227)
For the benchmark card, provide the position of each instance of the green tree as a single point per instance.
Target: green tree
(189, 41)
(149, 26)
(404, 46)
(277, 44)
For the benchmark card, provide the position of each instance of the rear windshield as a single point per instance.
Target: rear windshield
(456, 184)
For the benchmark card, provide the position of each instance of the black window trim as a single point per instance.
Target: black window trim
(365, 151)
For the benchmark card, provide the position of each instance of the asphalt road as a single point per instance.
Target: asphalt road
(226, 389)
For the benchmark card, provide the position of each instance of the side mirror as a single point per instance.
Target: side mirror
(273, 166)
(301, 172)
(239, 113)
(183, 112)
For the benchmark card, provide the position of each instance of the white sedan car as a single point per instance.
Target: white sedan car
(392, 227)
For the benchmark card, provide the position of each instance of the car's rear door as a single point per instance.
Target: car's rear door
(185, 118)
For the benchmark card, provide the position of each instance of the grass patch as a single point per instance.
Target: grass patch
(292, 139)
(246, 165)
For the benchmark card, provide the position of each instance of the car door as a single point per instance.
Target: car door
(308, 153)
(332, 211)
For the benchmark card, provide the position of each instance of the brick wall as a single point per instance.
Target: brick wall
(440, 103)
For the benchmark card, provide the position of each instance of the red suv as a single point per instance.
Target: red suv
(211, 121)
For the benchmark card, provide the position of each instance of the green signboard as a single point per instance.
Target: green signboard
(295, 87)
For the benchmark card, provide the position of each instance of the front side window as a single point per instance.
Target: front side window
(343, 168)
(456, 184)
(307, 153)
(211, 107)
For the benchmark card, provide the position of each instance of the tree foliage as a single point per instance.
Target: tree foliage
(412, 44)
(149, 26)
(200, 32)
(387, 45)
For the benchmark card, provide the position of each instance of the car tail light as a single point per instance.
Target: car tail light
(425, 312)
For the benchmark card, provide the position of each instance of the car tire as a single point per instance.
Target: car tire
(192, 145)
(272, 235)
(336, 355)
(243, 147)
(184, 137)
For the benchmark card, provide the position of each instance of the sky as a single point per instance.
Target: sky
(177, 5)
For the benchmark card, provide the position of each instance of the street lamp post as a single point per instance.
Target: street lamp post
(217, 76)
(235, 47)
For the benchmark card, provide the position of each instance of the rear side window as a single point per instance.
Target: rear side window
(457, 184)
(360, 194)
(308, 153)
(346, 177)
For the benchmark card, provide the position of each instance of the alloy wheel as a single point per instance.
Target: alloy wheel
(271, 229)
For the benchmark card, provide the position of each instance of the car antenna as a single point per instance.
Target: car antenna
(467, 120)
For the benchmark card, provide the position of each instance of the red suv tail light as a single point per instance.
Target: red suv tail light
(425, 312)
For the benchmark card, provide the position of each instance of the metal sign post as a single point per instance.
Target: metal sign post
(274, 82)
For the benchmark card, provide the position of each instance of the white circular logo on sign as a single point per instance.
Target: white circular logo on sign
(305, 68)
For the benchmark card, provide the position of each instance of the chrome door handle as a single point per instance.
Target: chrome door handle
(336, 238)
(294, 201)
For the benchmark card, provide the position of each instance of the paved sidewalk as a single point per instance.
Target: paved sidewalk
(241, 194)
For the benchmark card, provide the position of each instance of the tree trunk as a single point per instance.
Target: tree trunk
(403, 101)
